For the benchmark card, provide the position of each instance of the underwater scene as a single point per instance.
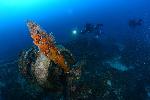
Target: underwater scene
(74, 49)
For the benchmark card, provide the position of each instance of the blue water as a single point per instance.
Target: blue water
(60, 17)
(63, 16)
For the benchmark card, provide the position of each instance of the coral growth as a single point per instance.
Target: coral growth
(46, 45)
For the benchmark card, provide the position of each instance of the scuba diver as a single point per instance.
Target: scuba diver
(90, 28)
(98, 30)
(133, 23)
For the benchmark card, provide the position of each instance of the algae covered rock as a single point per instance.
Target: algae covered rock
(38, 69)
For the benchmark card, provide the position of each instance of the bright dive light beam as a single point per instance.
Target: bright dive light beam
(74, 32)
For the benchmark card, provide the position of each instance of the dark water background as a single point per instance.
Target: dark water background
(62, 16)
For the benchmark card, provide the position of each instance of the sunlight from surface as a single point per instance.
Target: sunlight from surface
(23, 3)
(23, 6)
(11, 10)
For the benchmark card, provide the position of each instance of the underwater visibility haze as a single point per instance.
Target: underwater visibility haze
(74, 50)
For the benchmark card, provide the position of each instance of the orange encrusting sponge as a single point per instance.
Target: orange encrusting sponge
(46, 45)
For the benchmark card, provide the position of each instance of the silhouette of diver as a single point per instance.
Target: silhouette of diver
(90, 28)
(135, 22)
